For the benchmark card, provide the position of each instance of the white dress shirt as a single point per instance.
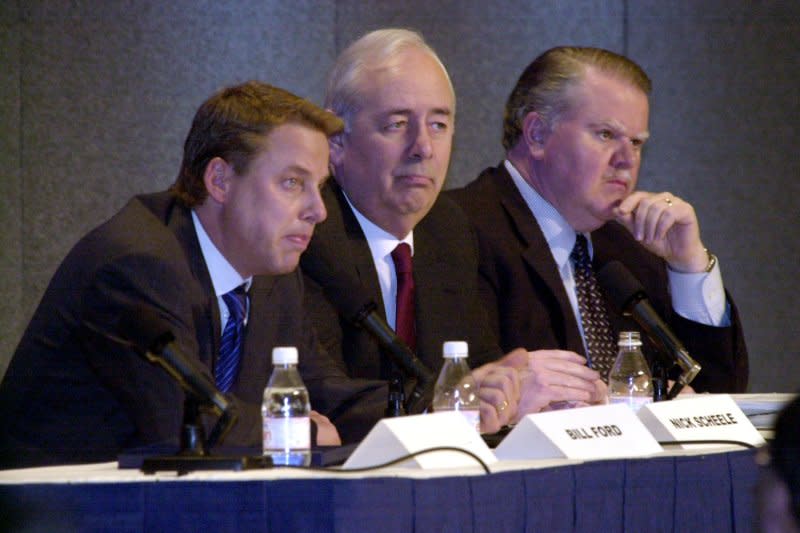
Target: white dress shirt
(699, 297)
(224, 277)
(381, 244)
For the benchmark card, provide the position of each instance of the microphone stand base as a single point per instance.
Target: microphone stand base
(183, 464)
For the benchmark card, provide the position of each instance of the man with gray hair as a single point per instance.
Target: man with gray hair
(563, 204)
(387, 228)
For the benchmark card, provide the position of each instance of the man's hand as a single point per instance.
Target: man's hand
(687, 389)
(667, 226)
(600, 397)
(556, 379)
(498, 389)
(326, 431)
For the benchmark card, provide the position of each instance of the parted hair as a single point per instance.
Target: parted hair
(233, 123)
(543, 85)
(376, 48)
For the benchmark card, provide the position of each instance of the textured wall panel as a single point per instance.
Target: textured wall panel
(11, 200)
(724, 125)
(110, 88)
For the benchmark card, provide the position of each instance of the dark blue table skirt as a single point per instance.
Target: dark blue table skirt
(706, 493)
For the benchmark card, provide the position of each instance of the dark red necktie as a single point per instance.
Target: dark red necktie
(404, 325)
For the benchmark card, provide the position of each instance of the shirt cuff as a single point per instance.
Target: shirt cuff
(700, 297)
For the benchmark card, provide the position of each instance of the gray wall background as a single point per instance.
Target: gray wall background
(97, 96)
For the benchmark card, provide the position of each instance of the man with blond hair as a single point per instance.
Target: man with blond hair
(213, 260)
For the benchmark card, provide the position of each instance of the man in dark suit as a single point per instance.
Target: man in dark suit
(389, 166)
(574, 129)
(240, 213)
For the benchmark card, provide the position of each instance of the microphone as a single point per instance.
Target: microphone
(347, 296)
(628, 295)
(141, 327)
(361, 311)
(147, 332)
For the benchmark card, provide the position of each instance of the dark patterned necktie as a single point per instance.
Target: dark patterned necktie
(594, 317)
(404, 325)
(230, 348)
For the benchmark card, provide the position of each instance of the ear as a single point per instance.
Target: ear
(217, 179)
(535, 131)
(336, 145)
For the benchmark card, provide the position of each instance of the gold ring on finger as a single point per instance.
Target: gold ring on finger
(502, 406)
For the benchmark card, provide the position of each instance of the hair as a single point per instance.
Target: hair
(233, 125)
(543, 85)
(343, 92)
(784, 453)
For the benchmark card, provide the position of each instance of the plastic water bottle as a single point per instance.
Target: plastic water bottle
(285, 412)
(455, 388)
(629, 380)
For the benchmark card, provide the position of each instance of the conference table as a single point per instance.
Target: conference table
(708, 490)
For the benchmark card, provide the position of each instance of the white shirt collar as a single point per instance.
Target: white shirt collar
(381, 244)
(377, 237)
(557, 232)
(224, 277)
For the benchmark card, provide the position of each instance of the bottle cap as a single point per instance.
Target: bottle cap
(284, 355)
(453, 349)
(629, 338)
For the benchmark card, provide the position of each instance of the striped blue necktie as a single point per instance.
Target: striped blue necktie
(230, 349)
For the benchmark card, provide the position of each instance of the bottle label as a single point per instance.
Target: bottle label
(634, 402)
(285, 434)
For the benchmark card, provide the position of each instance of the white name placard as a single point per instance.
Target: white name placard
(699, 417)
(597, 432)
(392, 438)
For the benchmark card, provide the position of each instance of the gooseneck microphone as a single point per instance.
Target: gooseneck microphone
(366, 316)
(361, 311)
(348, 297)
(628, 295)
(140, 327)
(152, 338)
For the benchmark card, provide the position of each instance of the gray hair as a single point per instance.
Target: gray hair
(342, 95)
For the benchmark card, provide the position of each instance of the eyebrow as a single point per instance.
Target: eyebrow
(442, 111)
(299, 169)
(405, 111)
(618, 126)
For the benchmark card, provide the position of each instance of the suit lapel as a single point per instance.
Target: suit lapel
(205, 308)
(341, 241)
(254, 361)
(206, 316)
(259, 337)
(434, 292)
(537, 255)
(259, 294)
(352, 245)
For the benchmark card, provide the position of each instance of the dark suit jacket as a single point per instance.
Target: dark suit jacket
(447, 308)
(72, 393)
(528, 304)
